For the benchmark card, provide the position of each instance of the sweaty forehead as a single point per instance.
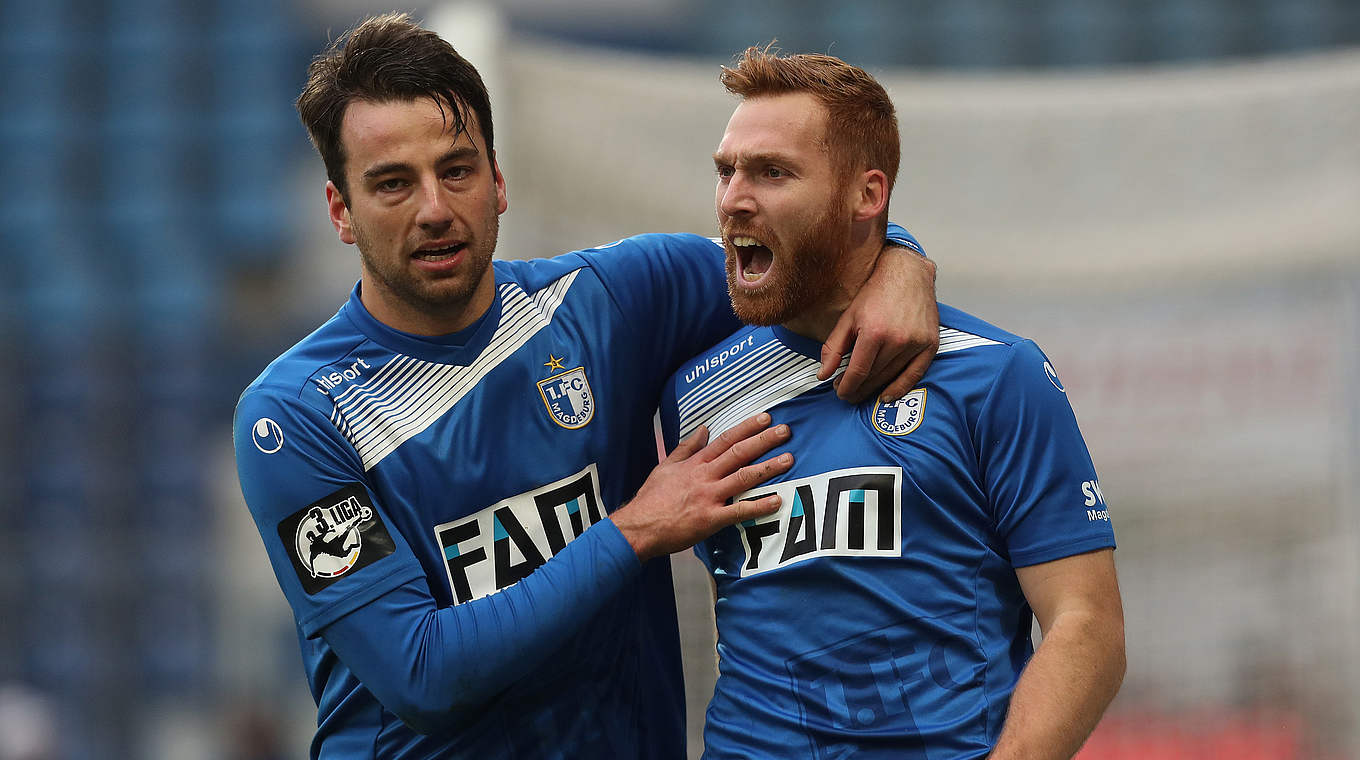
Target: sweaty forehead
(792, 123)
(401, 130)
(367, 121)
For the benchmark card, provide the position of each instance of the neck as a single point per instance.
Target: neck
(856, 262)
(422, 318)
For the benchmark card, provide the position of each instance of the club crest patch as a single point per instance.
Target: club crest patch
(568, 398)
(335, 536)
(901, 416)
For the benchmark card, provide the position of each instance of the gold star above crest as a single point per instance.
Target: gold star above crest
(554, 363)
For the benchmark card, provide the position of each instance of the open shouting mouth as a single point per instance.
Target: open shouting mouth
(754, 259)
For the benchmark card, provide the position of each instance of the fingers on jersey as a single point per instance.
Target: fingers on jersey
(892, 322)
(835, 347)
(896, 357)
(688, 447)
(745, 448)
(687, 497)
(916, 369)
(729, 438)
(753, 475)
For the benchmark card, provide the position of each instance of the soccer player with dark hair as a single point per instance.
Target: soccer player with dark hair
(884, 610)
(451, 475)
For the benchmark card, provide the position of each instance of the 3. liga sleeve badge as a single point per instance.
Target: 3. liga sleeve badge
(334, 536)
(568, 398)
(901, 416)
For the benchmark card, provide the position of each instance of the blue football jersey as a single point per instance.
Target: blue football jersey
(372, 458)
(878, 614)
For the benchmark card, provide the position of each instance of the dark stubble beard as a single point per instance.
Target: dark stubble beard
(439, 296)
(805, 273)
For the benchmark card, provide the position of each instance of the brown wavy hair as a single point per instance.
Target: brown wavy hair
(382, 59)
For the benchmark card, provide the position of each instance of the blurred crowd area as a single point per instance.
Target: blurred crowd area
(1161, 193)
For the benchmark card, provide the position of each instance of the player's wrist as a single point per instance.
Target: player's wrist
(638, 537)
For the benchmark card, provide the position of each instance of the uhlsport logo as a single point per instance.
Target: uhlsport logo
(901, 416)
(568, 398)
(855, 512)
(499, 546)
(335, 536)
(1052, 376)
(266, 435)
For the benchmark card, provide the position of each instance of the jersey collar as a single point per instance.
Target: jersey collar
(461, 347)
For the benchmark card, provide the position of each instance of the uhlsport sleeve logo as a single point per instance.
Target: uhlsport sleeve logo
(334, 537)
(266, 435)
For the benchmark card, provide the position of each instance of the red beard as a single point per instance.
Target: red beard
(805, 269)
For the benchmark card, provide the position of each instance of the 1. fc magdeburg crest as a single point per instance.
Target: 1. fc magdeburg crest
(901, 416)
(568, 398)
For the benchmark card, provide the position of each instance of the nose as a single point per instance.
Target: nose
(435, 213)
(734, 196)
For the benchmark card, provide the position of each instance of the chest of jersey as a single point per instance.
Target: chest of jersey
(871, 483)
(511, 460)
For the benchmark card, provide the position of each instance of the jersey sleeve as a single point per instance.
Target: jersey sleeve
(351, 578)
(899, 235)
(431, 666)
(1040, 482)
(331, 543)
(672, 290)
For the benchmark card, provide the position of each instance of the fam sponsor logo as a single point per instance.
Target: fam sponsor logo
(334, 536)
(901, 416)
(568, 398)
(855, 512)
(500, 545)
(1094, 501)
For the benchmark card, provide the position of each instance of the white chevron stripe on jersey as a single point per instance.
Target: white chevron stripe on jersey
(957, 340)
(737, 373)
(408, 394)
(768, 376)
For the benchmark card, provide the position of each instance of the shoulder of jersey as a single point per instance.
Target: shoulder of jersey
(976, 348)
(729, 351)
(653, 241)
(961, 331)
(533, 275)
(290, 374)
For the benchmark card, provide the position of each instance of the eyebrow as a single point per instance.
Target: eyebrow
(755, 158)
(454, 154)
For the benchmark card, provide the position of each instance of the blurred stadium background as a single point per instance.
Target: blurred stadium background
(1162, 193)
